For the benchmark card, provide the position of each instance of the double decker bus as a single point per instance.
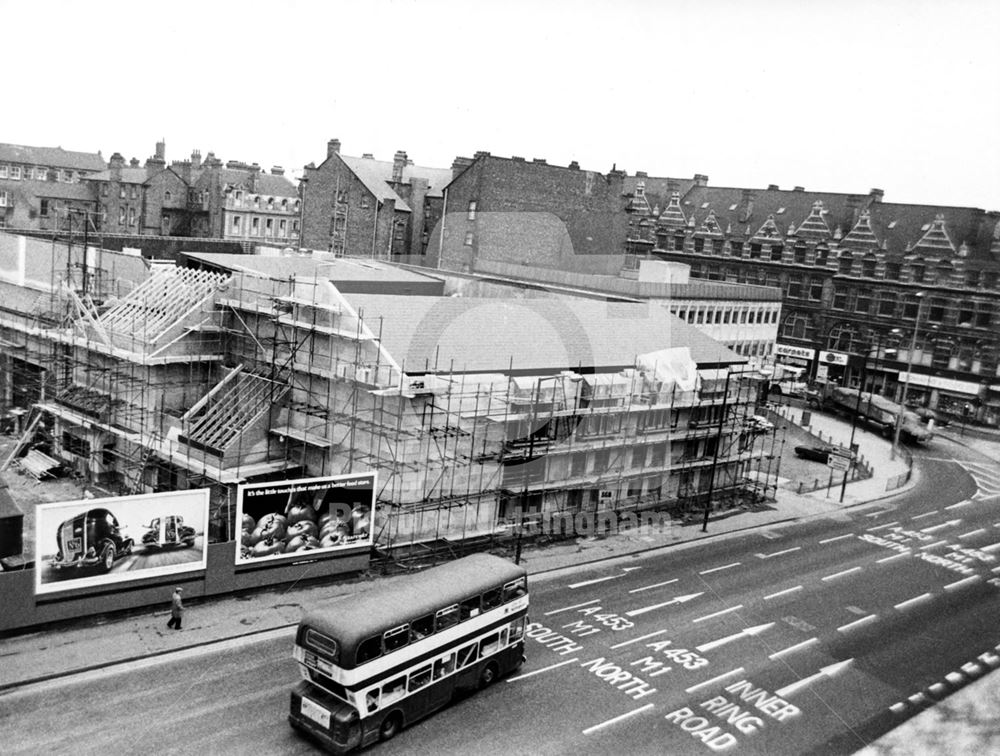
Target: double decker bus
(376, 662)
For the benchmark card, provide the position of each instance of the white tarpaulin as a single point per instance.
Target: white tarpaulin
(674, 367)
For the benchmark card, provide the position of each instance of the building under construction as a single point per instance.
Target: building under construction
(473, 411)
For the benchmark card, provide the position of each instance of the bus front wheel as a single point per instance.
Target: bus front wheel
(391, 726)
(489, 675)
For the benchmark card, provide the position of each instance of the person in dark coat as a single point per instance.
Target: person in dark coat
(176, 610)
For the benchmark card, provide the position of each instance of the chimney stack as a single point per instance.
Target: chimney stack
(134, 163)
(115, 165)
(333, 147)
(161, 150)
(398, 163)
(574, 166)
(459, 164)
(700, 179)
(876, 195)
(773, 188)
(277, 170)
(196, 158)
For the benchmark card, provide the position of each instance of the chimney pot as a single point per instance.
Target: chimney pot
(799, 189)
(574, 166)
(517, 158)
(277, 170)
(332, 147)
(641, 174)
(540, 161)
(773, 188)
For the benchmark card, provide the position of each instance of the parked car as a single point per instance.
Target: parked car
(814, 453)
(168, 531)
(91, 538)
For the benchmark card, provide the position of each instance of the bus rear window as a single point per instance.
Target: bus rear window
(320, 643)
(515, 589)
(369, 649)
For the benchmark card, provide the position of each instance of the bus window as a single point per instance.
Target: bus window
(515, 589)
(469, 607)
(396, 638)
(489, 645)
(317, 641)
(371, 700)
(516, 630)
(369, 649)
(421, 628)
(492, 599)
(466, 655)
(503, 637)
(393, 691)
(420, 678)
(446, 617)
(444, 666)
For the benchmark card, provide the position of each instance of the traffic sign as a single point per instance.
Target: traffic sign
(837, 461)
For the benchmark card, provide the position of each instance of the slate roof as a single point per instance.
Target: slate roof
(130, 175)
(962, 224)
(479, 335)
(373, 178)
(55, 157)
(334, 269)
(437, 178)
(267, 183)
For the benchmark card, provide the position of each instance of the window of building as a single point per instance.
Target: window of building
(794, 289)
(3, 171)
(15, 172)
(135, 192)
(893, 270)
(777, 250)
(972, 278)
(863, 301)
(282, 228)
(678, 242)
(840, 298)
(121, 191)
(989, 279)
(41, 174)
(472, 210)
(131, 216)
(43, 207)
(966, 312)
(3, 198)
(800, 253)
(167, 195)
(399, 233)
(822, 255)
(256, 200)
(816, 289)
(717, 246)
(121, 215)
(985, 315)
(255, 226)
(364, 202)
(935, 311)
(236, 224)
(736, 248)
(468, 238)
(640, 189)
(269, 227)
(755, 251)
(67, 176)
(887, 303)
(911, 306)
(917, 273)
(270, 203)
(868, 267)
(699, 244)
(845, 263)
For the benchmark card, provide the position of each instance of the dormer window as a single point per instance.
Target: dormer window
(640, 189)
(168, 196)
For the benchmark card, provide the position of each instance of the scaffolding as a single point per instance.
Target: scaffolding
(177, 378)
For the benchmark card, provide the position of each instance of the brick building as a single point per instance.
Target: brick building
(371, 208)
(513, 210)
(40, 186)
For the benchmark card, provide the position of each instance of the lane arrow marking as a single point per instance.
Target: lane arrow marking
(750, 631)
(828, 671)
(677, 600)
(777, 553)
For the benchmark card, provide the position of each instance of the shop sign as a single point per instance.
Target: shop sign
(833, 358)
(787, 350)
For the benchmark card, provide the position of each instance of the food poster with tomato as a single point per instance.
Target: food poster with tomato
(290, 520)
(118, 539)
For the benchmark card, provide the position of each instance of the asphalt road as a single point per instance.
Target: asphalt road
(805, 638)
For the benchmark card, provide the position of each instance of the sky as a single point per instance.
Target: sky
(846, 96)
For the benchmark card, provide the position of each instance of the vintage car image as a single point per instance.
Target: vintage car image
(166, 532)
(92, 538)
(291, 518)
(119, 539)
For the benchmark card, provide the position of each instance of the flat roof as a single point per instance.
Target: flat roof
(282, 267)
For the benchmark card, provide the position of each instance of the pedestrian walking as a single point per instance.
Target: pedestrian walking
(176, 609)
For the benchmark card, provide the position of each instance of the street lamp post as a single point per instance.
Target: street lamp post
(906, 382)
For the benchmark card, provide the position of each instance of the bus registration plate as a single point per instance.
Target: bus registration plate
(315, 712)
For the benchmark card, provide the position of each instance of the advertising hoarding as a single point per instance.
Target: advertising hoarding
(294, 519)
(119, 539)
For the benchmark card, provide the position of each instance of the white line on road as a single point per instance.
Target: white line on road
(988, 658)
(724, 611)
(723, 567)
(626, 715)
(543, 669)
(782, 593)
(991, 547)
(792, 649)
(897, 708)
(654, 585)
(914, 600)
(960, 583)
(894, 556)
(837, 538)
(972, 533)
(934, 545)
(959, 504)
(934, 528)
(640, 638)
(863, 620)
(878, 513)
(954, 677)
(916, 698)
(567, 608)
(654, 607)
(925, 514)
(881, 527)
(778, 553)
(938, 688)
(836, 575)
(596, 580)
(715, 679)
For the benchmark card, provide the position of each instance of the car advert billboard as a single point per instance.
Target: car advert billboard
(295, 519)
(96, 542)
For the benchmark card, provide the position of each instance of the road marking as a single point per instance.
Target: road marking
(716, 679)
(959, 583)
(991, 547)
(716, 614)
(863, 620)
(750, 631)
(915, 600)
(791, 649)
(836, 575)
(954, 677)
(619, 718)
(723, 567)
(543, 669)
(897, 708)
(972, 533)
(567, 608)
(938, 688)
(675, 600)
(654, 585)
(969, 668)
(828, 671)
(916, 698)
(640, 638)
(837, 538)
(596, 580)
(925, 514)
(881, 527)
(995, 569)
(777, 553)
(943, 525)
(782, 593)
(894, 556)
(959, 504)
(934, 545)
(988, 658)
(878, 513)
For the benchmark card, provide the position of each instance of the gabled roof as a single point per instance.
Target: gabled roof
(903, 225)
(527, 335)
(372, 176)
(55, 157)
(267, 183)
(437, 178)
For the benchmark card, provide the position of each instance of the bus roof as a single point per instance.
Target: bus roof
(356, 618)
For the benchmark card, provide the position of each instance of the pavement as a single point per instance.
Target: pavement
(56, 653)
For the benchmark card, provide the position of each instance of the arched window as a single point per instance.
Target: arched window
(842, 337)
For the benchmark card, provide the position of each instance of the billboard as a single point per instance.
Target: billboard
(96, 542)
(295, 519)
